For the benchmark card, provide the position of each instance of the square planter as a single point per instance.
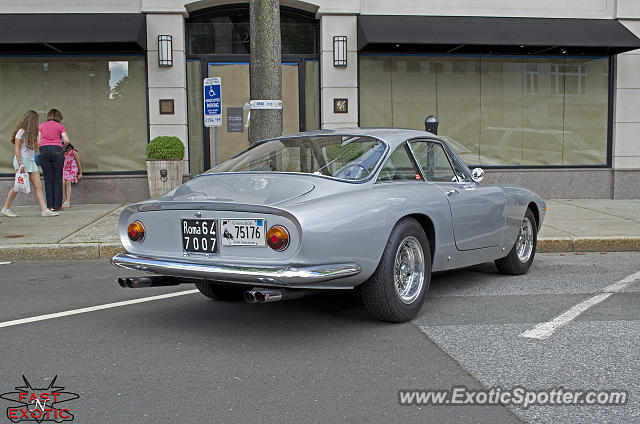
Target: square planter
(163, 176)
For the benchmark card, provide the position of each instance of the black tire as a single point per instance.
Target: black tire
(220, 292)
(512, 264)
(378, 293)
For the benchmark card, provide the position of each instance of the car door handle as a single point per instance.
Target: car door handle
(451, 192)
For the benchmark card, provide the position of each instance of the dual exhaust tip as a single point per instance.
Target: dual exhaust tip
(139, 282)
(255, 295)
(131, 282)
(262, 295)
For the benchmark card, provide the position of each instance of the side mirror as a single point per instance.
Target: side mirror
(477, 174)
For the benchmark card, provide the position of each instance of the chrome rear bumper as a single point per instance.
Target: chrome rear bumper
(314, 276)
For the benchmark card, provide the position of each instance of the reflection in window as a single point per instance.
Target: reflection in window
(531, 74)
(425, 67)
(118, 71)
(102, 99)
(459, 68)
(569, 79)
(497, 110)
(401, 66)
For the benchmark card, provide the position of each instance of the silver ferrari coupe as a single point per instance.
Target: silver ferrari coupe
(377, 210)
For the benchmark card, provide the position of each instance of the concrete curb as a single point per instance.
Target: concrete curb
(589, 244)
(555, 245)
(79, 251)
(62, 251)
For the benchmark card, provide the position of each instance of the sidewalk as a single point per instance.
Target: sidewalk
(596, 225)
(80, 232)
(90, 231)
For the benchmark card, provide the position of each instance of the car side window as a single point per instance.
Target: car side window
(434, 161)
(399, 167)
(462, 176)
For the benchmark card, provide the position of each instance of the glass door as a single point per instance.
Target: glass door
(232, 137)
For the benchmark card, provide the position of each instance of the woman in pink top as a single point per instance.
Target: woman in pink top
(51, 134)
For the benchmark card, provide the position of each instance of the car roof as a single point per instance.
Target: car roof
(392, 136)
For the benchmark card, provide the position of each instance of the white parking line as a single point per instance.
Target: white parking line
(545, 329)
(94, 308)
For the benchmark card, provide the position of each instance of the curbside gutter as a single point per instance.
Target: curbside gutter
(82, 251)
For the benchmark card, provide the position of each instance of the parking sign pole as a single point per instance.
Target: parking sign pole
(214, 146)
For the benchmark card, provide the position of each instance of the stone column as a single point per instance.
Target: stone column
(167, 82)
(626, 120)
(338, 82)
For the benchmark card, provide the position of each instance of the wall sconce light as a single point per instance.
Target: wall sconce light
(165, 50)
(340, 50)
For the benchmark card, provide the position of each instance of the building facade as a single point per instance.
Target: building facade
(543, 95)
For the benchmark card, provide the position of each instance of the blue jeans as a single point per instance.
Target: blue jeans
(52, 160)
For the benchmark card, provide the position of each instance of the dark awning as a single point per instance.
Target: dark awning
(73, 33)
(459, 34)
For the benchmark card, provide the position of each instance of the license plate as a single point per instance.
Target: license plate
(242, 232)
(199, 235)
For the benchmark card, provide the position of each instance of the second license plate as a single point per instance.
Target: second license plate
(242, 232)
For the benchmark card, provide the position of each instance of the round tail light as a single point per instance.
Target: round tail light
(136, 231)
(278, 238)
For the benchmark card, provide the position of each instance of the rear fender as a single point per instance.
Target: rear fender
(355, 226)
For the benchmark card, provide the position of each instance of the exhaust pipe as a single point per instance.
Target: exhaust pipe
(250, 296)
(260, 295)
(140, 282)
(266, 296)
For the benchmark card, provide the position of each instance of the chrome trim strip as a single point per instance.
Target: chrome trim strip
(279, 276)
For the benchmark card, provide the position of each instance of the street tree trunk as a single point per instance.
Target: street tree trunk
(265, 71)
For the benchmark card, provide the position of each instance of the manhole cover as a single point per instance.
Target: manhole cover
(15, 236)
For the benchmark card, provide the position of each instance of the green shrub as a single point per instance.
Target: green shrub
(165, 147)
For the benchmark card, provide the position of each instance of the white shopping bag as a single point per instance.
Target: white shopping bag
(22, 184)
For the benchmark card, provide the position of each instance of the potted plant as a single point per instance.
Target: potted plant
(164, 164)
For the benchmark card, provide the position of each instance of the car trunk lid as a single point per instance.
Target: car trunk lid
(255, 189)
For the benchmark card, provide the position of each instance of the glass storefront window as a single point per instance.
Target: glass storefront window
(102, 99)
(225, 30)
(233, 38)
(495, 111)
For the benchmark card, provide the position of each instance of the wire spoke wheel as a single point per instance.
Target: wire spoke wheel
(524, 242)
(408, 272)
(395, 292)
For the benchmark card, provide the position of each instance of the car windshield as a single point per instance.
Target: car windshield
(344, 157)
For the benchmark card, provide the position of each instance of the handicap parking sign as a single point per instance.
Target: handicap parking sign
(212, 102)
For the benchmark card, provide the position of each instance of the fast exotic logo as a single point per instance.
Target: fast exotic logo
(39, 404)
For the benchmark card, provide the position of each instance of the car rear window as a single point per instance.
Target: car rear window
(344, 157)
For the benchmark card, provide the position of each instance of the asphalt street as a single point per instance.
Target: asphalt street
(320, 359)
